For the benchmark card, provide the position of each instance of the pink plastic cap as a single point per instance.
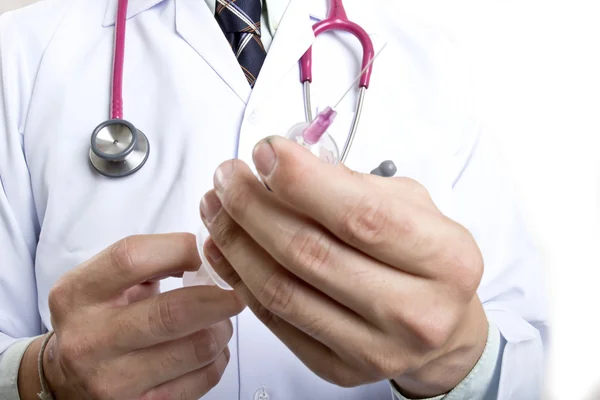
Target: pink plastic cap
(312, 134)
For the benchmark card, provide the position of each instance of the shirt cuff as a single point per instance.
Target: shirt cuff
(10, 361)
(484, 375)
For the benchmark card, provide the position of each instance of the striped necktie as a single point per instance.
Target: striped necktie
(240, 22)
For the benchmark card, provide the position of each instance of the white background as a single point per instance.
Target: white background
(536, 73)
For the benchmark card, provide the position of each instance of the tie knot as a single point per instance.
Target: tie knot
(237, 16)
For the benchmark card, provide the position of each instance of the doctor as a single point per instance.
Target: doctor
(425, 285)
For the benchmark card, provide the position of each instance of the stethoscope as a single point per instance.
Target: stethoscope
(119, 149)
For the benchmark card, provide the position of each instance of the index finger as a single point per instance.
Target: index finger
(382, 217)
(168, 316)
(131, 261)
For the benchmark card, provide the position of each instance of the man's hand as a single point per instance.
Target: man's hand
(117, 337)
(362, 277)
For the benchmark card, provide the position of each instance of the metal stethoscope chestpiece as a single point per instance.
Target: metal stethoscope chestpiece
(118, 149)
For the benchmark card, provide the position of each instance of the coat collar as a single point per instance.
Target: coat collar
(195, 22)
(135, 7)
(275, 10)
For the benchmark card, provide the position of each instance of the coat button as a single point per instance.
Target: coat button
(261, 394)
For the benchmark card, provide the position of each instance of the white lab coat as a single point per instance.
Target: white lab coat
(184, 89)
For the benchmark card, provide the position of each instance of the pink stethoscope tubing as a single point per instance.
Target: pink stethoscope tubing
(338, 20)
(119, 60)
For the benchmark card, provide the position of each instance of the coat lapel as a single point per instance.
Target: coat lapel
(198, 27)
(294, 36)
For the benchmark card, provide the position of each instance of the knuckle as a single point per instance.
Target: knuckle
(224, 232)
(213, 374)
(389, 312)
(229, 330)
(422, 243)
(470, 275)
(222, 333)
(98, 389)
(206, 347)
(161, 395)
(366, 222)
(384, 364)
(123, 254)
(434, 334)
(189, 240)
(277, 295)
(185, 394)
(59, 300)
(317, 327)
(291, 172)
(466, 266)
(264, 315)
(345, 378)
(228, 274)
(414, 187)
(171, 359)
(163, 317)
(309, 250)
(433, 328)
(430, 324)
(237, 200)
(383, 360)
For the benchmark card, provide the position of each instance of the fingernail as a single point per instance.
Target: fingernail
(212, 251)
(264, 157)
(223, 174)
(210, 206)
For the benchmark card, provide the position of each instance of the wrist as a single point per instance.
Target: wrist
(50, 370)
(444, 372)
(28, 382)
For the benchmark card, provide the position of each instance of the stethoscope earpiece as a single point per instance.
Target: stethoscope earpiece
(118, 148)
